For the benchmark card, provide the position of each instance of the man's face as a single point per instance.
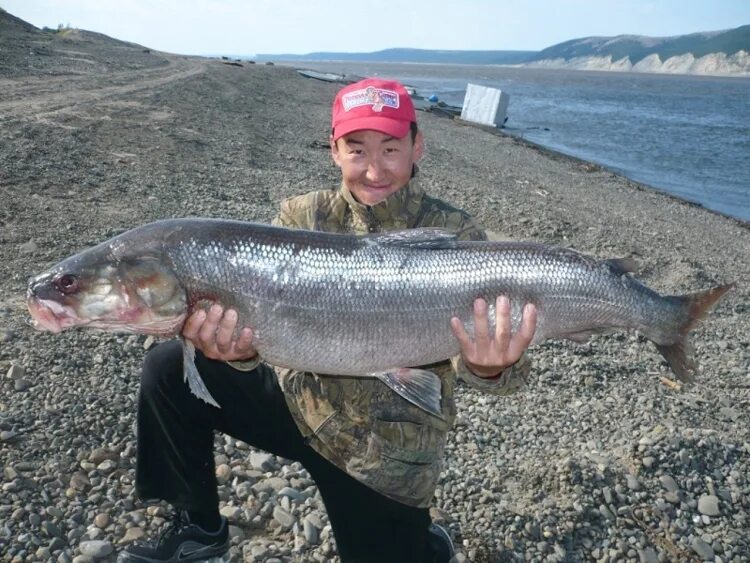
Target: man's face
(375, 165)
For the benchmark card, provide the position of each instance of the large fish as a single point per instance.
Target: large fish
(369, 305)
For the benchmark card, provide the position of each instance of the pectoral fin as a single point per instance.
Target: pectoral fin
(191, 375)
(420, 387)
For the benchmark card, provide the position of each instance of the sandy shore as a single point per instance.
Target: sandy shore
(596, 460)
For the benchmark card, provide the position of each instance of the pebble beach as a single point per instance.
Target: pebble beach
(602, 457)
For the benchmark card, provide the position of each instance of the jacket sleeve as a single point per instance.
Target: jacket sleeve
(298, 212)
(510, 380)
(245, 365)
(285, 218)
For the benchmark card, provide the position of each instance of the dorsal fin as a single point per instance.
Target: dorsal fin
(415, 238)
(625, 265)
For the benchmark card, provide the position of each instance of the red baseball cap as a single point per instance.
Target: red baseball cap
(372, 103)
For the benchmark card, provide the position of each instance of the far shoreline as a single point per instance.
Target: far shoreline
(522, 66)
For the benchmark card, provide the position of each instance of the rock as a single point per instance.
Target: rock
(709, 505)
(232, 513)
(54, 512)
(223, 474)
(51, 529)
(310, 531)
(607, 513)
(702, 549)
(133, 534)
(21, 384)
(290, 492)
(8, 436)
(283, 517)
(262, 461)
(29, 247)
(149, 342)
(80, 481)
(96, 549)
(244, 490)
(156, 511)
(102, 520)
(270, 485)
(315, 520)
(107, 466)
(100, 455)
(633, 483)
(15, 372)
(668, 482)
(236, 532)
(648, 555)
(56, 543)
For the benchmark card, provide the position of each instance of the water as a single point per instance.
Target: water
(685, 135)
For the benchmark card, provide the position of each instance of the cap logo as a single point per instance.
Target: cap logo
(370, 96)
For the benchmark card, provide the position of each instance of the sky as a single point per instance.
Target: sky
(250, 27)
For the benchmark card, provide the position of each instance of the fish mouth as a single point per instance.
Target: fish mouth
(55, 317)
(51, 315)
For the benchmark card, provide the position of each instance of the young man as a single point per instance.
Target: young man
(374, 457)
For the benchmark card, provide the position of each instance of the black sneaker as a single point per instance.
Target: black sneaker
(182, 541)
(439, 545)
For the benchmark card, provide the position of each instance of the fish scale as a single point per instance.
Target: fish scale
(359, 305)
(372, 293)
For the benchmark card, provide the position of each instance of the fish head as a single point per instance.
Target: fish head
(116, 286)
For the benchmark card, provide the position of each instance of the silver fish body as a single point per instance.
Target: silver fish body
(356, 305)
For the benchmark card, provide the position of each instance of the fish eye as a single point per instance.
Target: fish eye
(67, 283)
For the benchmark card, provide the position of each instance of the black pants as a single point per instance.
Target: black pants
(176, 459)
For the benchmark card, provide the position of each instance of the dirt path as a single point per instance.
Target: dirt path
(41, 97)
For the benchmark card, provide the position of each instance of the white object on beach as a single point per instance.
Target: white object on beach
(485, 105)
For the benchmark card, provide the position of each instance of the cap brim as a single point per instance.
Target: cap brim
(394, 127)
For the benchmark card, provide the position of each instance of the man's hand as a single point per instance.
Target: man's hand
(213, 334)
(489, 354)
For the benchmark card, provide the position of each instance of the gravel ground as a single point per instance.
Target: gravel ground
(597, 460)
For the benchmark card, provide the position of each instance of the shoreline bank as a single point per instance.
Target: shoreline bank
(555, 153)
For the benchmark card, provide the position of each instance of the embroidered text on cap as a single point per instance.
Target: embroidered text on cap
(378, 98)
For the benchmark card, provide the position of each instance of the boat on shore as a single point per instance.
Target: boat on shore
(428, 104)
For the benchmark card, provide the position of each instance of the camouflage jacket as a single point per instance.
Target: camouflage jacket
(359, 424)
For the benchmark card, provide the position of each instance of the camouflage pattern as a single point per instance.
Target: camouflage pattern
(359, 424)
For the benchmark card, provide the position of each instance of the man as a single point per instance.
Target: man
(374, 457)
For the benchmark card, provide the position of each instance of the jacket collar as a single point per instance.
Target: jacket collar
(398, 210)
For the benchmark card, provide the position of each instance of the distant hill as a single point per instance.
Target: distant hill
(401, 55)
(713, 52)
(27, 50)
(638, 47)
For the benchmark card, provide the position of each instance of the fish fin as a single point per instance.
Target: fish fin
(416, 238)
(679, 354)
(191, 375)
(624, 265)
(580, 337)
(418, 386)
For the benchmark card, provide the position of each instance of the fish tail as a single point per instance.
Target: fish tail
(679, 354)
